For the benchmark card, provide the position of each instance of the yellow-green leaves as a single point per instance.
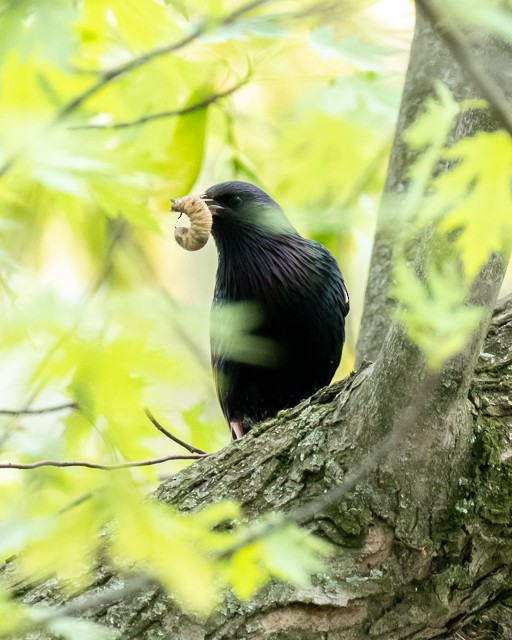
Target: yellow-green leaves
(434, 311)
(478, 185)
(367, 56)
(472, 193)
(90, 155)
(242, 319)
(112, 32)
(186, 147)
(288, 553)
(466, 206)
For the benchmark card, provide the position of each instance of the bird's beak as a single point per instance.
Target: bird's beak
(212, 205)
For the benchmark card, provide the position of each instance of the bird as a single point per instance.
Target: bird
(282, 303)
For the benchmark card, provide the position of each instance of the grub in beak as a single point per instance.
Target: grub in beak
(198, 211)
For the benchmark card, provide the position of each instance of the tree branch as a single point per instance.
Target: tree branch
(134, 63)
(197, 106)
(93, 465)
(358, 473)
(461, 49)
(109, 76)
(172, 437)
(30, 412)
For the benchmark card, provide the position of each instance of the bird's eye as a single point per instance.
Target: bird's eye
(236, 200)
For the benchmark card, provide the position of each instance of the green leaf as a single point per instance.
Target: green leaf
(268, 26)
(434, 124)
(186, 149)
(12, 613)
(233, 334)
(294, 555)
(367, 56)
(434, 312)
(478, 185)
(365, 98)
(484, 14)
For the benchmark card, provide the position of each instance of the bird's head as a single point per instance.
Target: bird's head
(240, 207)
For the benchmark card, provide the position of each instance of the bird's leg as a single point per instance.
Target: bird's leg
(237, 429)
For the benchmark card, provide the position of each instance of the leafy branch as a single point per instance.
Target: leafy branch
(196, 106)
(75, 406)
(113, 74)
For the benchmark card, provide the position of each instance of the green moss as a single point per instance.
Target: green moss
(496, 496)
(494, 477)
(351, 521)
(489, 442)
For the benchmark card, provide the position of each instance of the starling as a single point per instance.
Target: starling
(285, 304)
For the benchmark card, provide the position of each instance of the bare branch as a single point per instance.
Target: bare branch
(172, 437)
(93, 465)
(30, 412)
(196, 106)
(462, 51)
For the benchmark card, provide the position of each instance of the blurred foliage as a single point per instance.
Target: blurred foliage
(101, 310)
(466, 210)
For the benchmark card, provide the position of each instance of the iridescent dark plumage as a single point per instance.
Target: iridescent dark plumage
(294, 288)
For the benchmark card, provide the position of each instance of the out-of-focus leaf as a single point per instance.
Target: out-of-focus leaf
(64, 544)
(434, 312)
(366, 56)
(11, 613)
(77, 629)
(186, 148)
(436, 120)
(366, 98)
(110, 32)
(171, 547)
(39, 25)
(341, 164)
(485, 15)
(268, 26)
(289, 554)
(293, 555)
(242, 320)
(482, 197)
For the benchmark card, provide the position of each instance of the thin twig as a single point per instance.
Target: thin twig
(30, 412)
(196, 106)
(185, 445)
(465, 56)
(93, 465)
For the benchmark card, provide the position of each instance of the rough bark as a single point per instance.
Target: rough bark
(399, 571)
